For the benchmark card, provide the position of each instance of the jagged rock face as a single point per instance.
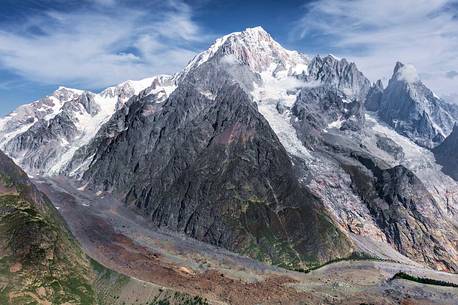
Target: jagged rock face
(324, 107)
(41, 143)
(374, 96)
(45, 141)
(43, 136)
(224, 179)
(375, 199)
(447, 154)
(253, 48)
(339, 74)
(334, 98)
(25, 116)
(161, 85)
(413, 110)
(250, 58)
(394, 197)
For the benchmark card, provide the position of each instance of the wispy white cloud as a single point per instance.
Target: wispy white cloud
(376, 34)
(103, 45)
(105, 2)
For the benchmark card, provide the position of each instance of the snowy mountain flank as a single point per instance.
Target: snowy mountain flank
(43, 136)
(290, 159)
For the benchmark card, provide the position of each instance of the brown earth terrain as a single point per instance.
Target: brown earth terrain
(114, 235)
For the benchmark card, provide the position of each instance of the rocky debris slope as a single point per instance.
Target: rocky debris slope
(41, 263)
(396, 200)
(172, 260)
(381, 201)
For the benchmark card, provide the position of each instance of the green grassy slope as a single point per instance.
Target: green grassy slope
(40, 263)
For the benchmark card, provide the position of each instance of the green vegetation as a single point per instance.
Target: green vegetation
(6, 181)
(104, 274)
(423, 280)
(264, 243)
(270, 249)
(355, 256)
(39, 261)
(270, 243)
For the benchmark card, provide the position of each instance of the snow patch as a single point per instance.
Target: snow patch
(87, 124)
(268, 94)
(82, 188)
(229, 59)
(276, 87)
(336, 124)
(282, 127)
(20, 130)
(255, 48)
(208, 94)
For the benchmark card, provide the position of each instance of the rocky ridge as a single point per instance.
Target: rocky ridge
(412, 109)
(43, 136)
(297, 118)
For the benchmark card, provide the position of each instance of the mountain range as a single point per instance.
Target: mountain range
(292, 160)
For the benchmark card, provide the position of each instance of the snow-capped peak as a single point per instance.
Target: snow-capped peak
(64, 89)
(414, 110)
(134, 87)
(82, 113)
(255, 48)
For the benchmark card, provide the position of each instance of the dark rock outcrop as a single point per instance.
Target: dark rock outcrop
(395, 198)
(388, 145)
(215, 170)
(447, 154)
(374, 96)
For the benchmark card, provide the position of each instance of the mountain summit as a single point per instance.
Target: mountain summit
(414, 110)
(263, 151)
(254, 48)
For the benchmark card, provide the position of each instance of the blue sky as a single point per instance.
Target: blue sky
(92, 44)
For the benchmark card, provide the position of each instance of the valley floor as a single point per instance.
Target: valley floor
(123, 241)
